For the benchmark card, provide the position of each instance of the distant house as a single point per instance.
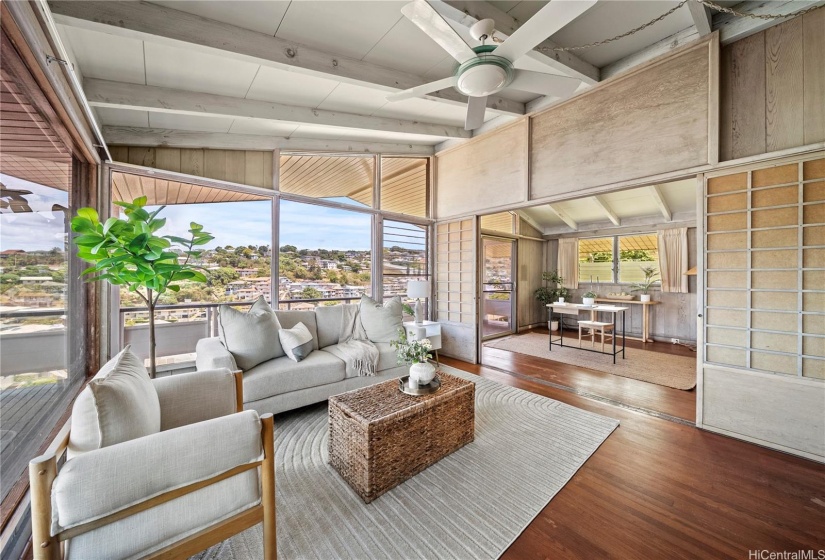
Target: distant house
(11, 252)
(35, 279)
(34, 299)
(247, 272)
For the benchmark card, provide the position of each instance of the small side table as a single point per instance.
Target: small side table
(427, 329)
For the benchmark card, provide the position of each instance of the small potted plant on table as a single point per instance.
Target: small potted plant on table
(416, 354)
(589, 298)
(645, 285)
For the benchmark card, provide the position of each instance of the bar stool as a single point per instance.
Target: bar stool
(605, 330)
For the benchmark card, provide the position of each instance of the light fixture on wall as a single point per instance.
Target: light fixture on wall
(418, 289)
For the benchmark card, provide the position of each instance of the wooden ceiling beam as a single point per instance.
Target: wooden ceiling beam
(608, 211)
(664, 209)
(158, 24)
(167, 138)
(702, 18)
(118, 95)
(571, 223)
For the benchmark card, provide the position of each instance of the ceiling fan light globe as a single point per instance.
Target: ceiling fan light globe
(480, 80)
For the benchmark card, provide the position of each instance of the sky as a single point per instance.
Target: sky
(40, 230)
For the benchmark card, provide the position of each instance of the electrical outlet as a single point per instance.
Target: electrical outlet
(674, 340)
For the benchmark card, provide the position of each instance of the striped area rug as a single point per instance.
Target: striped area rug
(471, 504)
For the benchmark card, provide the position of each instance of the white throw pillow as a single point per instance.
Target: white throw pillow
(251, 338)
(297, 342)
(119, 404)
(381, 322)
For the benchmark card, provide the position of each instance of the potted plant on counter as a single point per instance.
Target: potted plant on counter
(589, 298)
(645, 285)
(552, 293)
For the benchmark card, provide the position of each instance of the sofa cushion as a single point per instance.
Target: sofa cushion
(381, 322)
(296, 342)
(329, 319)
(250, 337)
(282, 375)
(289, 319)
(119, 404)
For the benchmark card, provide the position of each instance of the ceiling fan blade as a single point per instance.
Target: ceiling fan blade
(476, 107)
(552, 17)
(423, 89)
(545, 84)
(424, 16)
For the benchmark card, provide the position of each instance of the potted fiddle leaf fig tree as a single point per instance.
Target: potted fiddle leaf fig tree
(127, 252)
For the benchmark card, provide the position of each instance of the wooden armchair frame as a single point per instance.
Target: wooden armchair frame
(43, 471)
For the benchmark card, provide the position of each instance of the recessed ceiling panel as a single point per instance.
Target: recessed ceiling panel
(263, 17)
(289, 88)
(354, 99)
(106, 57)
(196, 71)
(407, 48)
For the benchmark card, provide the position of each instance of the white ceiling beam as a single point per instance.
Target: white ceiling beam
(701, 18)
(730, 29)
(605, 207)
(158, 24)
(571, 223)
(167, 138)
(118, 95)
(639, 224)
(664, 209)
(468, 12)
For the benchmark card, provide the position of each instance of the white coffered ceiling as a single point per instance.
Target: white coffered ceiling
(236, 67)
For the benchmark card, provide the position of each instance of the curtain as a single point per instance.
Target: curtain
(568, 263)
(673, 259)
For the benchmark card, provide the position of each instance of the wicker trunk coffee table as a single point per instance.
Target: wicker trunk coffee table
(379, 437)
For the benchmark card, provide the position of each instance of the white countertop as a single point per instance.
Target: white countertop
(582, 307)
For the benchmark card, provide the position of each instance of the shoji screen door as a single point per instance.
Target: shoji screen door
(455, 287)
(763, 374)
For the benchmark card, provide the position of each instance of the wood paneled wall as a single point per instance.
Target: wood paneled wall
(773, 89)
(245, 167)
(531, 263)
(487, 172)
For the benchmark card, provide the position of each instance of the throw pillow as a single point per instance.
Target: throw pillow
(251, 338)
(297, 342)
(381, 322)
(119, 404)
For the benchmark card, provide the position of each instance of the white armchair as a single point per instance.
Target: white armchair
(208, 474)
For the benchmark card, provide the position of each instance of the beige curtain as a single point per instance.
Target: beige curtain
(673, 259)
(568, 264)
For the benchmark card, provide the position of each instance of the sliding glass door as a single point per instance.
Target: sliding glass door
(498, 294)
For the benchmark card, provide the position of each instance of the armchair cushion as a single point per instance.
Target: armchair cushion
(381, 322)
(194, 397)
(110, 479)
(212, 354)
(119, 404)
(251, 337)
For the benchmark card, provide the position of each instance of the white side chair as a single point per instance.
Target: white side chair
(605, 330)
(208, 474)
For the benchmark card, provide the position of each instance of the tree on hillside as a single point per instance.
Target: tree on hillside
(288, 249)
(311, 293)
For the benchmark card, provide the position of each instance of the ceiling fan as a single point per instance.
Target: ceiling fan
(488, 69)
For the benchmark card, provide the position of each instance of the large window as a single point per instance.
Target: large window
(617, 259)
(42, 316)
(405, 257)
(325, 255)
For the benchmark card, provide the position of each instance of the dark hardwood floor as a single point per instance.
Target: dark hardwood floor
(660, 489)
(588, 382)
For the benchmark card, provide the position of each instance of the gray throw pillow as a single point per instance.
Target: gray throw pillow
(251, 338)
(381, 322)
(119, 404)
(297, 342)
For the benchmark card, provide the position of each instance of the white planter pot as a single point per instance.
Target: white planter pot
(554, 325)
(644, 297)
(589, 301)
(422, 373)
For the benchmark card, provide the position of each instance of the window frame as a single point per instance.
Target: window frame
(617, 263)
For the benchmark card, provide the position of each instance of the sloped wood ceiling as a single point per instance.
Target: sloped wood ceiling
(127, 187)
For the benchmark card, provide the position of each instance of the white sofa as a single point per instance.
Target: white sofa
(282, 384)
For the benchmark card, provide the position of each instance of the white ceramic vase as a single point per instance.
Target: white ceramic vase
(644, 297)
(423, 373)
(589, 301)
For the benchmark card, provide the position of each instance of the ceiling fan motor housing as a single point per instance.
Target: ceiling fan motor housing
(485, 74)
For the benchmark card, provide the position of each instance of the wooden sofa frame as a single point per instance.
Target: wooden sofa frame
(43, 471)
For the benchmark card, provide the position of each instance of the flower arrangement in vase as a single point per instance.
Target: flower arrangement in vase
(416, 354)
